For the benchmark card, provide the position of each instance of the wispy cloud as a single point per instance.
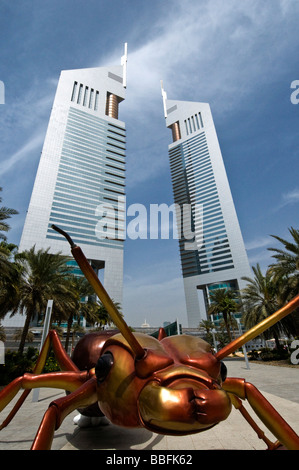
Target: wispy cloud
(23, 125)
(290, 197)
(223, 38)
(220, 39)
(257, 243)
(233, 45)
(21, 154)
(264, 259)
(286, 199)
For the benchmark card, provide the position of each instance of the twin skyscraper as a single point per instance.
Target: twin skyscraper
(82, 171)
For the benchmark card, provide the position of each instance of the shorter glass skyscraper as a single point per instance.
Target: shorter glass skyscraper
(216, 257)
(80, 181)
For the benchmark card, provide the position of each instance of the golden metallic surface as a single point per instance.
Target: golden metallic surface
(69, 381)
(172, 396)
(192, 351)
(118, 393)
(181, 372)
(184, 408)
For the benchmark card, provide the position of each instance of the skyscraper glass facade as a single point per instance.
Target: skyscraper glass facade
(80, 180)
(91, 171)
(217, 258)
(194, 183)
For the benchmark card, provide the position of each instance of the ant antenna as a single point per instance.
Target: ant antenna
(103, 295)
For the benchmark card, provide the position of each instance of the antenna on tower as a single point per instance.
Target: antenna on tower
(124, 61)
(164, 96)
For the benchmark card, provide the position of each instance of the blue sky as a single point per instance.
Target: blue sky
(241, 57)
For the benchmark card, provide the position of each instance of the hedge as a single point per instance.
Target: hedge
(17, 364)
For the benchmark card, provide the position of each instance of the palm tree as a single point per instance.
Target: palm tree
(287, 259)
(76, 328)
(5, 213)
(39, 276)
(90, 311)
(262, 297)
(286, 267)
(2, 333)
(7, 252)
(8, 273)
(9, 249)
(79, 290)
(10, 280)
(18, 335)
(208, 325)
(101, 316)
(209, 328)
(6, 249)
(226, 302)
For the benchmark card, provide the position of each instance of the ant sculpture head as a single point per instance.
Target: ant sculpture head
(174, 388)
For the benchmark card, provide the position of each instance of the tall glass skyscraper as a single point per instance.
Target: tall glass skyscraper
(80, 181)
(216, 258)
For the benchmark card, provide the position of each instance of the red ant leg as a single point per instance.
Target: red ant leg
(64, 361)
(264, 410)
(69, 381)
(58, 410)
(261, 435)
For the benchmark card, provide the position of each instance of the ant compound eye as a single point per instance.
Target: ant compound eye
(103, 366)
(223, 371)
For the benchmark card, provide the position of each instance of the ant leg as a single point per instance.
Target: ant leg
(64, 361)
(237, 403)
(58, 410)
(264, 410)
(63, 380)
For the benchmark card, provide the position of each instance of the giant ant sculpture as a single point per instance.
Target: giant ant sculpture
(171, 385)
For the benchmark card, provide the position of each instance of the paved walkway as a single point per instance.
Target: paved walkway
(280, 385)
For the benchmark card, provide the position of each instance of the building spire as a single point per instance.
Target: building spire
(124, 61)
(164, 96)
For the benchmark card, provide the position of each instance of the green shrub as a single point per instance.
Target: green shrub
(17, 364)
(253, 355)
(274, 354)
(51, 364)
